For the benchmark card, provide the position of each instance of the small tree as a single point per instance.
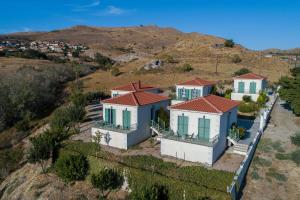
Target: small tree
(229, 43)
(72, 167)
(262, 99)
(42, 148)
(163, 116)
(97, 139)
(107, 179)
(247, 98)
(241, 71)
(115, 71)
(236, 59)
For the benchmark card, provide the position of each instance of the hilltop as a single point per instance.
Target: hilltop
(137, 46)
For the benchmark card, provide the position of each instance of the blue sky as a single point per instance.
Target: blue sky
(256, 24)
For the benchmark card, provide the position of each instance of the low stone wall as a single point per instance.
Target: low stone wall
(238, 180)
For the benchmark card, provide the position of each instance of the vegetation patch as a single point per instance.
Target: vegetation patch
(261, 161)
(185, 68)
(196, 181)
(275, 174)
(241, 72)
(295, 139)
(289, 91)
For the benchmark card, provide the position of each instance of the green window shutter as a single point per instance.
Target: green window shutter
(106, 115)
(126, 119)
(182, 125)
(207, 128)
(241, 87)
(190, 94)
(179, 93)
(201, 131)
(179, 125)
(186, 125)
(203, 128)
(252, 87)
(113, 113)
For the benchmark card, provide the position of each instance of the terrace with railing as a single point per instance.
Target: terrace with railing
(117, 128)
(193, 138)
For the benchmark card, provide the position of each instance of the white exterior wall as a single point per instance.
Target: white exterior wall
(187, 151)
(140, 115)
(193, 121)
(260, 85)
(195, 152)
(119, 112)
(205, 90)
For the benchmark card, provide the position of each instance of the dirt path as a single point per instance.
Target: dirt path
(269, 177)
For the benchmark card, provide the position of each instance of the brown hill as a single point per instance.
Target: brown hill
(152, 42)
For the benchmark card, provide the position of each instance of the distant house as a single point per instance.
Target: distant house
(132, 87)
(127, 118)
(249, 84)
(199, 128)
(192, 89)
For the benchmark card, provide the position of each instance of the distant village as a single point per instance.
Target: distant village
(58, 47)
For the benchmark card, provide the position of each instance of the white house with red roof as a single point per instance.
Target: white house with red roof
(249, 84)
(132, 87)
(126, 118)
(192, 89)
(199, 128)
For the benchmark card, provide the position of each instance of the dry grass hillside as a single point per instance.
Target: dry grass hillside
(152, 42)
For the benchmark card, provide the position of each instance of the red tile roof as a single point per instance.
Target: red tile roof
(210, 104)
(198, 82)
(138, 98)
(137, 86)
(250, 76)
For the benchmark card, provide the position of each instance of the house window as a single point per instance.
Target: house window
(126, 119)
(182, 127)
(110, 116)
(252, 87)
(241, 87)
(180, 91)
(195, 93)
(114, 95)
(203, 128)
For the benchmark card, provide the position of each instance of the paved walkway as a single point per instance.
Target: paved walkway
(93, 115)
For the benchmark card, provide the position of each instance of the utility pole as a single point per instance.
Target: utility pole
(217, 63)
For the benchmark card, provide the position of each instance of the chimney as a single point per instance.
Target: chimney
(139, 84)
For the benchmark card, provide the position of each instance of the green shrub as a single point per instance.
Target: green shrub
(255, 175)
(107, 179)
(229, 43)
(72, 167)
(241, 71)
(262, 99)
(95, 96)
(295, 156)
(236, 59)
(152, 192)
(282, 156)
(247, 107)
(228, 93)
(278, 176)
(163, 117)
(247, 98)
(261, 161)
(103, 61)
(185, 68)
(296, 139)
(115, 71)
